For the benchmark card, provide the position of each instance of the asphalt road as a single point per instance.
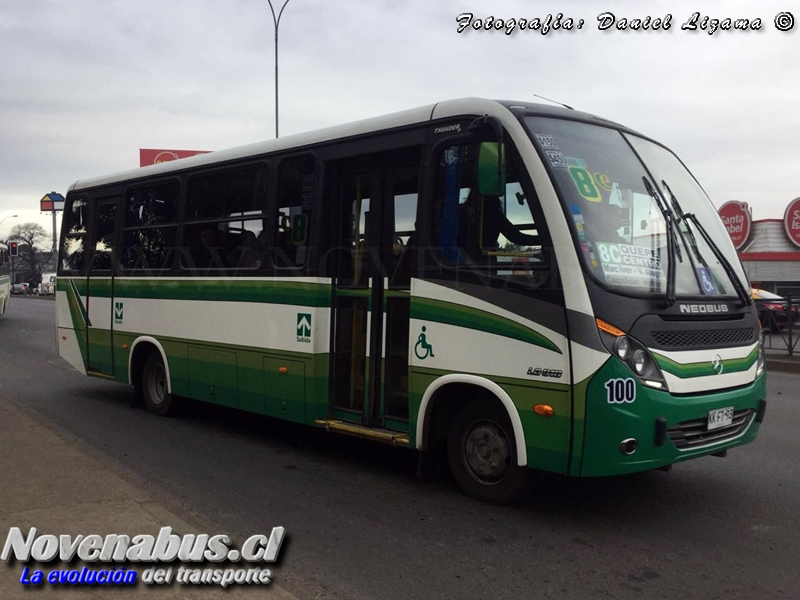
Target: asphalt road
(360, 526)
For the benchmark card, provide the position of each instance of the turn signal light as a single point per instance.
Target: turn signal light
(544, 410)
(609, 328)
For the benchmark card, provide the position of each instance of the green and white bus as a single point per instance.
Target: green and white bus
(501, 285)
(5, 278)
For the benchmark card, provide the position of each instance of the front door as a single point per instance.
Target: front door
(101, 311)
(377, 205)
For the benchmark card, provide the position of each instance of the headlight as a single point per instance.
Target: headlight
(640, 362)
(623, 347)
(762, 356)
(633, 355)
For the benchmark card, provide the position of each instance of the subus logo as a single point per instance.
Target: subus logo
(704, 308)
(118, 313)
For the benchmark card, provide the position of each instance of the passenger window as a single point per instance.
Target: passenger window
(221, 195)
(73, 242)
(150, 233)
(405, 188)
(294, 203)
(225, 223)
(104, 237)
(153, 204)
(232, 245)
(76, 216)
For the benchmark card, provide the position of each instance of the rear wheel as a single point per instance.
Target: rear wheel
(481, 451)
(154, 387)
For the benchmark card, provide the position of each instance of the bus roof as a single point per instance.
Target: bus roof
(441, 110)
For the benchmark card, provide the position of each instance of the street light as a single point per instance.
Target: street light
(277, 22)
(9, 217)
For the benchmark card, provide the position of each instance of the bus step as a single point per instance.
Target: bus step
(379, 435)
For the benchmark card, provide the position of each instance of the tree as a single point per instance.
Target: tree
(29, 235)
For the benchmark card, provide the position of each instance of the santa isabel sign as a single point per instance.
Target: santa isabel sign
(736, 218)
(791, 221)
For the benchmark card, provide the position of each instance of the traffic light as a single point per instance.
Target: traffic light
(13, 248)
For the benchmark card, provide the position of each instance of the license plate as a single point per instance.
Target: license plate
(721, 417)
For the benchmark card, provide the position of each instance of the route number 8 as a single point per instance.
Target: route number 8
(585, 184)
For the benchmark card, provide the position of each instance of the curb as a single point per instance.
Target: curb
(783, 365)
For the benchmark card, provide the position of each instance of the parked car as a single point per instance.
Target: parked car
(19, 288)
(47, 286)
(773, 310)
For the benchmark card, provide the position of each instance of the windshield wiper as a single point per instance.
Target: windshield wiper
(671, 248)
(726, 265)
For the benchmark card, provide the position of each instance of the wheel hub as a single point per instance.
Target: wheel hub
(487, 452)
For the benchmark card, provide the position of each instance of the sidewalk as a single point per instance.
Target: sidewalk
(48, 482)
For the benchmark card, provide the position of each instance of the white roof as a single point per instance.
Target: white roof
(409, 117)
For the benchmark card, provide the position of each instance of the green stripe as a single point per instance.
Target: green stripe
(79, 304)
(706, 367)
(450, 313)
(78, 320)
(215, 290)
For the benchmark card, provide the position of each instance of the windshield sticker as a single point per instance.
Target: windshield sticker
(576, 162)
(707, 281)
(546, 141)
(585, 183)
(592, 254)
(625, 264)
(603, 181)
(557, 159)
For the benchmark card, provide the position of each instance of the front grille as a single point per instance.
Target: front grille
(695, 434)
(719, 338)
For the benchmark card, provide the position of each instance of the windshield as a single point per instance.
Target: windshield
(620, 221)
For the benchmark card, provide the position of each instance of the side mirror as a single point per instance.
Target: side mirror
(492, 169)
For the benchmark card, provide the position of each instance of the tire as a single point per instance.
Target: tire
(481, 451)
(154, 387)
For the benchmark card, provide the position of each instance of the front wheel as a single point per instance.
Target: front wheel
(481, 450)
(154, 387)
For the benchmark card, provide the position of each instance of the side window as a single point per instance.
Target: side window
(150, 229)
(224, 222)
(104, 236)
(295, 197)
(405, 196)
(73, 240)
(497, 232)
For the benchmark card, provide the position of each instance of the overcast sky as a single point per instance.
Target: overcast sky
(85, 83)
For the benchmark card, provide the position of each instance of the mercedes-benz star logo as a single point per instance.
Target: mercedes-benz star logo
(717, 364)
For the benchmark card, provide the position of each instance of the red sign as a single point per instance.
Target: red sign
(150, 156)
(791, 221)
(736, 218)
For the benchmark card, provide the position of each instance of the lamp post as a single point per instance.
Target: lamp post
(277, 22)
(8, 217)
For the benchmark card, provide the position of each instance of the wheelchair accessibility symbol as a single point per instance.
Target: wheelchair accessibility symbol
(707, 281)
(422, 349)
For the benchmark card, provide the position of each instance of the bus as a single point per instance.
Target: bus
(5, 278)
(500, 286)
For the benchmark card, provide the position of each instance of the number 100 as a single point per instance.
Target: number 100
(619, 391)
